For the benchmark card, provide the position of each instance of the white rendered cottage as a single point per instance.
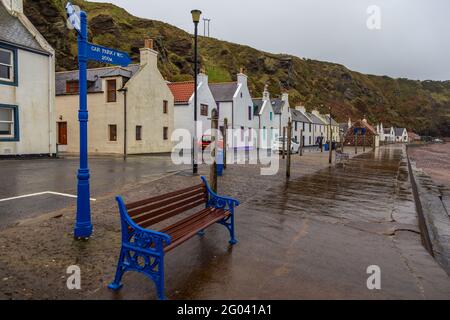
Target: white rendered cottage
(27, 85)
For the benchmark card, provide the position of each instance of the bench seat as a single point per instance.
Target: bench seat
(143, 249)
(188, 228)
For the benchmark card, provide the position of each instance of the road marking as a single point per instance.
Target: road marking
(42, 193)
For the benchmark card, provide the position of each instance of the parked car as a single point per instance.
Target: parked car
(277, 145)
(207, 140)
(438, 141)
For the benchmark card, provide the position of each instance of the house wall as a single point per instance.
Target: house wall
(184, 113)
(147, 91)
(34, 98)
(268, 127)
(101, 115)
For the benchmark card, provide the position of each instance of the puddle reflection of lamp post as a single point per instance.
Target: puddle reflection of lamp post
(196, 19)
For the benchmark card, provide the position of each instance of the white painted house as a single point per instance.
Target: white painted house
(282, 111)
(401, 135)
(319, 126)
(27, 85)
(235, 104)
(387, 135)
(183, 93)
(265, 121)
(302, 124)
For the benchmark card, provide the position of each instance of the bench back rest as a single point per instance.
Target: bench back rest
(151, 211)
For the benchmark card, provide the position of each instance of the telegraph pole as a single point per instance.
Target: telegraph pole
(330, 146)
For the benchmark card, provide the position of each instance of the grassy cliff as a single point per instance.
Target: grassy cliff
(423, 106)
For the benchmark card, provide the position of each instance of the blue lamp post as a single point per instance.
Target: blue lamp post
(83, 227)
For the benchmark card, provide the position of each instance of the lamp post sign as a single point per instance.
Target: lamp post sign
(86, 52)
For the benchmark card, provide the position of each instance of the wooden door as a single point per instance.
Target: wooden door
(62, 133)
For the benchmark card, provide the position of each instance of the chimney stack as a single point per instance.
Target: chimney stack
(148, 55)
(266, 94)
(148, 43)
(242, 77)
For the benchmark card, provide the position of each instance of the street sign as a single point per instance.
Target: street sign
(363, 131)
(107, 55)
(355, 130)
(74, 17)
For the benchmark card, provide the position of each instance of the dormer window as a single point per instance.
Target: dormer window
(7, 66)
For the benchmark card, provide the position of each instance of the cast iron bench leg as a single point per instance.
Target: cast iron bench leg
(117, 283)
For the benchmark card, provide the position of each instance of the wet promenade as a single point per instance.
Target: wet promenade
(310, 238)
(313, 237)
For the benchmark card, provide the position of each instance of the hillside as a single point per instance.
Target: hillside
(421, 106)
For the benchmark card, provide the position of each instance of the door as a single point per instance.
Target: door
(62, 133)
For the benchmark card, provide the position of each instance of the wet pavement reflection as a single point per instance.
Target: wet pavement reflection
(313, 237)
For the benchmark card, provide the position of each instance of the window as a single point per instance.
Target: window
(264, 133)
(112, 132)
(204, 110)
(7, 68)
(250, 137)
(310, 128)
(111, 95)
(242, 133)
(310, 140)
(271, 116)
(9, 123)
(165, 107)
(138, 133)
(303, 127)
(296, 127)
(166, 133)
(250, 111)
(72, 86)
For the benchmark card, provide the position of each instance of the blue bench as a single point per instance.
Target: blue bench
(143, 250)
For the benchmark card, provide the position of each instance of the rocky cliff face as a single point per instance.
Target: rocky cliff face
(420, 106)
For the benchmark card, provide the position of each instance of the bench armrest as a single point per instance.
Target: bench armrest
(220, 202)
(135, 235)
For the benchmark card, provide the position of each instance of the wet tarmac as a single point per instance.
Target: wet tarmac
(24, 177)
(312, 238)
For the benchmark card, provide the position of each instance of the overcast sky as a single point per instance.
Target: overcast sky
(413, 41)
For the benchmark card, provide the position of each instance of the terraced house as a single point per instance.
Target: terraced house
(27, 85)
(130, 109)
(265, 121)
(235, 103)
(183, 93)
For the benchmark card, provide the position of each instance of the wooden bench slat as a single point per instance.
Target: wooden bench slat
(163, 197)
(164, 216)
(214, 218)
(162, 210)
(179, 224)
(163, 203)
(197, 225)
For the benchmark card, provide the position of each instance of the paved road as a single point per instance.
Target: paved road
(24, 177)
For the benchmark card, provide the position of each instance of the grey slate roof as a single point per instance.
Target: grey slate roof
(333, 122)
(315, 119)
(277, 105)
(223, 92)
(399, 131)
(94, 77)
(299, 116)
(12, 31)
(257, 105)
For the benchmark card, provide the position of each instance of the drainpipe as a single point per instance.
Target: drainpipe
(124, 91)
(51, 98)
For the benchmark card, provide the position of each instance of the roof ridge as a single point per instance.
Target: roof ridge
(181, 82)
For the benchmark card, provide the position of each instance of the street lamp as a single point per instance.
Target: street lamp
(196, 19)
